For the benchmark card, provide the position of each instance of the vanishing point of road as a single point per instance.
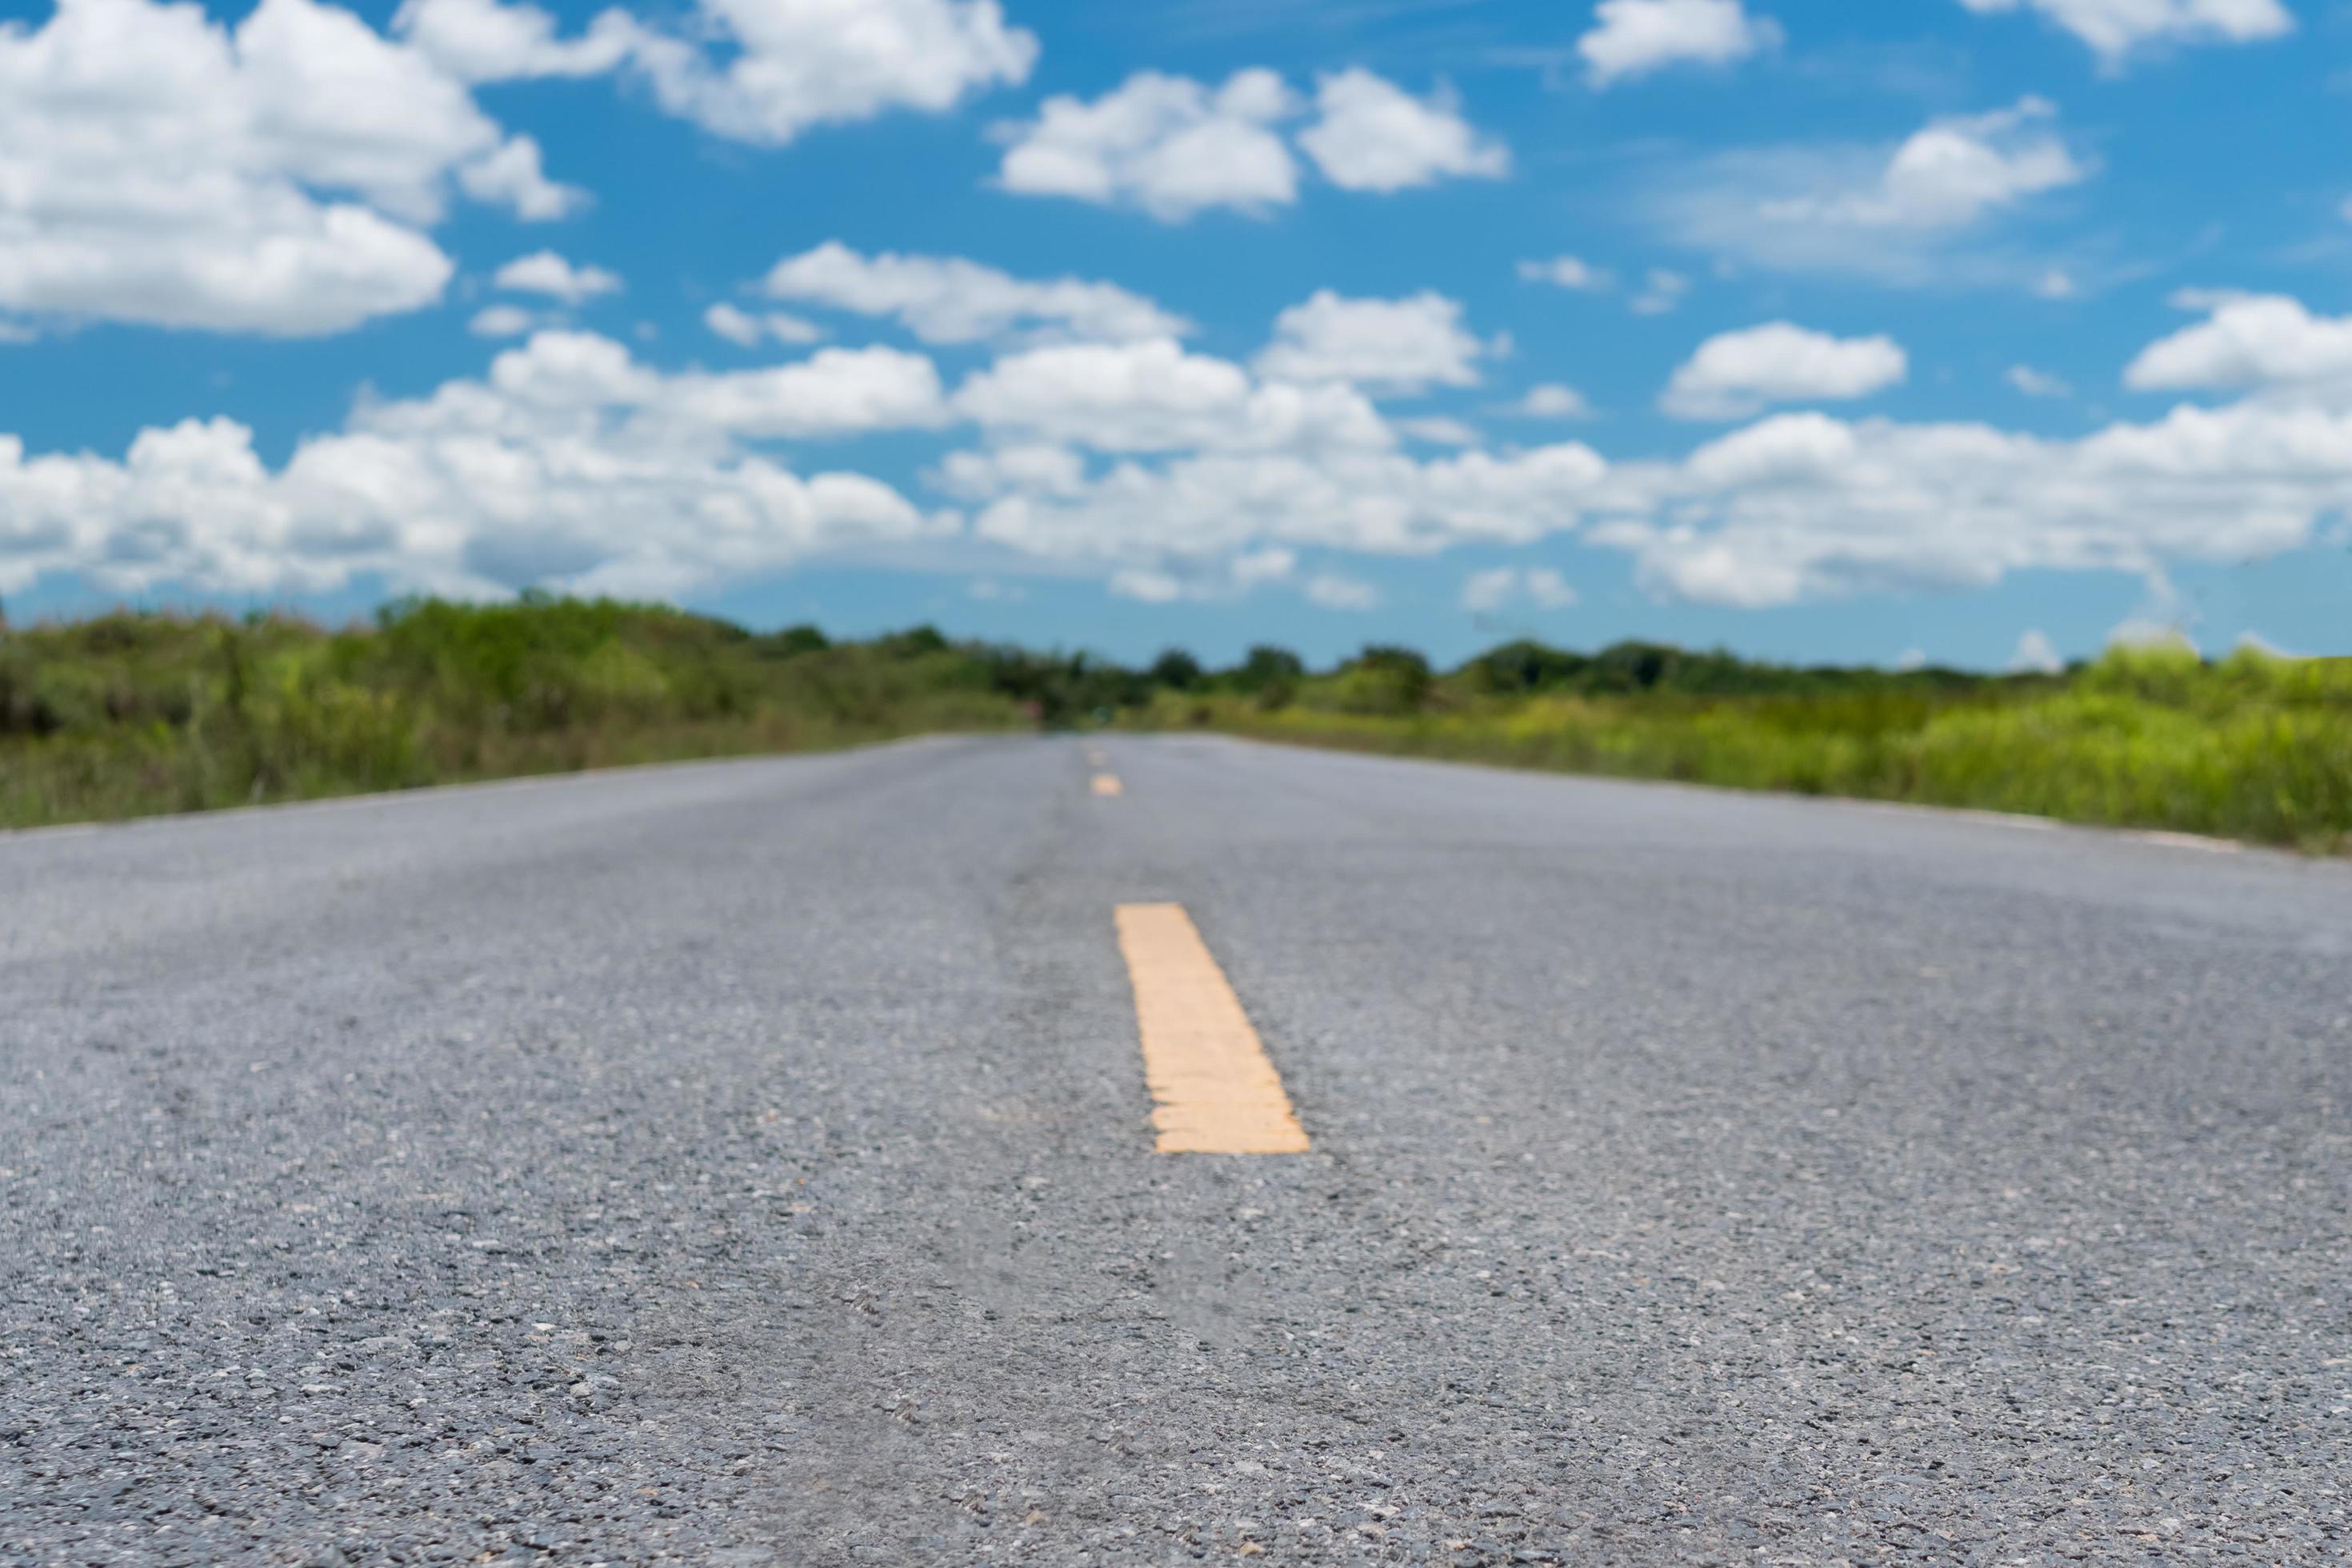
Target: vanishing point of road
(761, 1162)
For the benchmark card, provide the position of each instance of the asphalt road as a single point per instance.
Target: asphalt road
(748, 1163)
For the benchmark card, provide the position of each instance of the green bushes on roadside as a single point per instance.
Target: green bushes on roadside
(2253, 747)
(130, 713)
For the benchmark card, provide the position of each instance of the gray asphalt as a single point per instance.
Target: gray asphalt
(748, 1164)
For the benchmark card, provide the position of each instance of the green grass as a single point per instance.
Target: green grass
(130, 714)
(2254, 747)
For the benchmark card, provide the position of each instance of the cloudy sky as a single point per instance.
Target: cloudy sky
(1973, 330)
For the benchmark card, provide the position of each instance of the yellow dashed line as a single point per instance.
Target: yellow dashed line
(1216, 1091)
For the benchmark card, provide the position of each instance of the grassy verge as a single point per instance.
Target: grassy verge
(2254, 747)
(129, 715)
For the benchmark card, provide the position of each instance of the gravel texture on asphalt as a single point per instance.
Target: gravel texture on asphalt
(748, 1164)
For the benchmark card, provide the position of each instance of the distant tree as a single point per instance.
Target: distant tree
(912, 643)
(1528, 666)
(791, 642)
(1266, 666)
(1384, 679)
(1175, 670)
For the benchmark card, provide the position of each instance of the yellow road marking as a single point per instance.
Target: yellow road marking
(1107, 784)
(1216, 1091)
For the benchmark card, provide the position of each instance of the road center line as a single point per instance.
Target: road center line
(1215, 1090)
(1107, 784)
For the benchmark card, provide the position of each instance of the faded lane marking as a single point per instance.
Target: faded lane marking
(1215, 1090)
(1107, 784)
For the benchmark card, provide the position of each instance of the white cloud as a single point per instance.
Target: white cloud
(783, 66)
(1900, 216)
(483, 40)
(1737, 374)
(1151, 587)
(1802, 506)
(1551, 400)
(1566, 272)
(2250, 340)
(948, 299)
(1373, 136)
(503, 322)
(1440, 431)
(2116, 28)
(1634, 37)
(1337, 591)
(1226, 580)
(1484, 592)
(157, 167)
(568, 464)
(1392, 345)
(2038, 382)
(512, 176)
(2036, 654)
(1202, 508)
(760, 71)
(545, 273)
(1156, 397)
(1168, 144)
(744, 330)
(1661, 292)
(1952, 173)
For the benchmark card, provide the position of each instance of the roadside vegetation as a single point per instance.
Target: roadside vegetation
(2254, 746)
(130, 714)
(133, 714)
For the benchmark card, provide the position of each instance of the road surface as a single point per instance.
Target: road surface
(753, 1163)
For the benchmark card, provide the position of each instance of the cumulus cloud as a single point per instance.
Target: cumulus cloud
(789, 65)
(568, 464)
(1634, 37)
(1802, 506)
(2035, 655)
(2250, 340)
(545, 273)
(1486, 593)
(1337, 591)
(760, 71)
(2038, 382)
(948, 299)
(158, 167)
(1661, 292)
(1953, 173)
(1734, 375)
(1168, 144)
(1550, 400)
(1373, 136)
(2115, 29)
(1392, 345)
(1566, 272)
(744, 330)
(1897, 214)
(503, 322)
(1440, 430)
(484, 41)
(1154, 396)
(1208, 506)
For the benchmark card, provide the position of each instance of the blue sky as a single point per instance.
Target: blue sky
(1971, 329)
